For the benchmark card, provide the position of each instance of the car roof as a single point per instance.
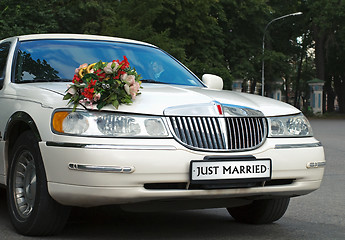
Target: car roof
(79, 37)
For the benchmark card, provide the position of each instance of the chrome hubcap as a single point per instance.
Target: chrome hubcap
(24, 184)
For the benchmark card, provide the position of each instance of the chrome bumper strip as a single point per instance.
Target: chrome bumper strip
(113, 147)
(316, 164)
(102, 169)
(301, 145)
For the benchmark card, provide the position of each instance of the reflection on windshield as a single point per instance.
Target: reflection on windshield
(47, 60)
(29, 69)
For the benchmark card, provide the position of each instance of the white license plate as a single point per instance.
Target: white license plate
(230, 170)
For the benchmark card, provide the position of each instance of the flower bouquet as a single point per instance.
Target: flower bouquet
(104, 83)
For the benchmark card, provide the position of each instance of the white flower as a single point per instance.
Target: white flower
(124, 77)
(126, 87)
(130, 80)
(107, 69)
(71, 90)
(114, 66)
(111, 67)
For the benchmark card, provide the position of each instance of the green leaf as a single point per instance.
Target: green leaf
(89, 76)
(116, 104)
(67, 96)
(75, 107)
(99, 65)
(100, 105)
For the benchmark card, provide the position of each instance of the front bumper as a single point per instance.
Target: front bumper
(86, 174)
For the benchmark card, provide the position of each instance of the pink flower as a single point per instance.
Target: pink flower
(80, 67)
(84, 100)
(136, 86)
(90, 105)
(130, 80)
(124, 77)
(134, 89)
(111, 67)
(96, 97)
(134, 95)
(107, 69)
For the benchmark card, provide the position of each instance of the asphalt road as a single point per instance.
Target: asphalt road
(319, 215)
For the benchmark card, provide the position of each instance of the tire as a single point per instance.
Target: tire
(32, 210)
(260, 211)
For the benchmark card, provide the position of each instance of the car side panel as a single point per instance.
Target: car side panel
(16, 112)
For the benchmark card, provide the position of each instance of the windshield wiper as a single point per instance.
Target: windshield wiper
(53, 80)
(152, 81)
(45, 80)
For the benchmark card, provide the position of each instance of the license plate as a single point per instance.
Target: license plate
(230, 170)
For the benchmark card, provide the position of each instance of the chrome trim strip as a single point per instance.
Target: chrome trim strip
(130, 147)
(298, 145)
(112, 147)
(316, 164)
(101, 169)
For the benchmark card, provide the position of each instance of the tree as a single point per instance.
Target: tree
(329, 32)
(222, 37)
(243, 29)
(17, 18)
(188, 29)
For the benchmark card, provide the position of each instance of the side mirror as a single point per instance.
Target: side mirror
(212, 81)
(1, 83)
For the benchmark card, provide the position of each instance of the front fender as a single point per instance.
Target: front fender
(19, 120)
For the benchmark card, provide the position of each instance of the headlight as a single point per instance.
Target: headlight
(289, 126)
(107, 124)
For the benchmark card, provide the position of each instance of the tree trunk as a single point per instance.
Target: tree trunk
(320, 58)
(299, 71)
(297, 86)
(320, 61)
(330, 96)
(339, 86)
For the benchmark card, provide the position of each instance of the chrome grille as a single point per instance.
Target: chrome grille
(214, 133)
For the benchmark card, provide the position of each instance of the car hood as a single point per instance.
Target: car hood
(160, 99)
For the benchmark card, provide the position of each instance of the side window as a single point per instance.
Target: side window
(4, 49)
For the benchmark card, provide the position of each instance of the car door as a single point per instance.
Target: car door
(4, 50)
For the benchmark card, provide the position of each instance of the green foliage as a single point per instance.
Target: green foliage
(222, 37)
(242, 27)
(22, 17)
(328, 19)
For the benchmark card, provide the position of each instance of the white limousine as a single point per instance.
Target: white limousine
(91, 120)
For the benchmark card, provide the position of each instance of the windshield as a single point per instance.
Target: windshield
(56, 60)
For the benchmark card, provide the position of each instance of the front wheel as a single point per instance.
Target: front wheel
(260, 211)
(32, 210)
